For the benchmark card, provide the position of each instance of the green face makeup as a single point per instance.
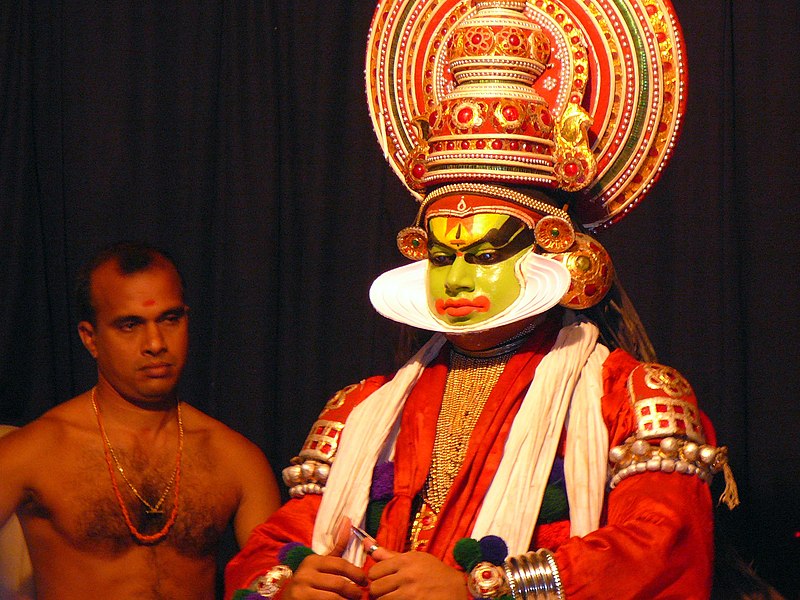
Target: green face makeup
(472, 260)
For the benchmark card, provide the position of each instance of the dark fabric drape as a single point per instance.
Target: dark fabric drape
(236, 136)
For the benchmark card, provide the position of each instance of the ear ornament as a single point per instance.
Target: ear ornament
(590, 268)
(554, 234)
(413, 243)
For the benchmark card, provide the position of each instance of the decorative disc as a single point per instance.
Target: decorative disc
(591, 270)
(413, 243)
(554, 234)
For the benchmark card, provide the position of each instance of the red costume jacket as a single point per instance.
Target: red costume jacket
(655, 537)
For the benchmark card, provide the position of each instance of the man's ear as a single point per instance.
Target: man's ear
(86, 331)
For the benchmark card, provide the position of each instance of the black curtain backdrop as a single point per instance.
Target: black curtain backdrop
(236, 135)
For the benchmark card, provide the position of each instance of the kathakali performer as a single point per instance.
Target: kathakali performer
(533, 448)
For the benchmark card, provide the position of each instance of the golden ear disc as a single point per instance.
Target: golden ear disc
(413, 243)
(554, 234)
(591, 270)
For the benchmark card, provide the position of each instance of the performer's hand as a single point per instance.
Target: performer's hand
(327, 577)
(414, 575)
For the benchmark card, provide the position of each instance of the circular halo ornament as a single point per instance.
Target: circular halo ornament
(603, 75)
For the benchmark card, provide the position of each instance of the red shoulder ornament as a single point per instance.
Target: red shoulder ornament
(669, 435)
(308, 471)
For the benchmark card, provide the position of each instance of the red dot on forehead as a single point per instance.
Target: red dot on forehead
(149, 302)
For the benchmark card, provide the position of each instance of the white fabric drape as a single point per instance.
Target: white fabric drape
(512, 504)
(568, 380)
(368, 428)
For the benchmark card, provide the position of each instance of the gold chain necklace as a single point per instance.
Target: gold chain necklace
(151, 509)
(470, 380)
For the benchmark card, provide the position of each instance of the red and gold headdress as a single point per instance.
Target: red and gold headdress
(582, 96)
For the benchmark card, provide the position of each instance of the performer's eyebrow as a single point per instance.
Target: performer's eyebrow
(499, 237)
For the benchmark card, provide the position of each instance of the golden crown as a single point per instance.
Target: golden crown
(584, 97)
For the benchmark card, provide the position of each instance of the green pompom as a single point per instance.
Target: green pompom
(467, 553)
(555, 506)
(296, 555)
(374, 514)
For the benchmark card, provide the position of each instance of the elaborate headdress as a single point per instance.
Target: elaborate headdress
(581, 100)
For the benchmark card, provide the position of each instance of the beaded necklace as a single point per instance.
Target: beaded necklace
(175, 479)
(470, 380)
(471, 377)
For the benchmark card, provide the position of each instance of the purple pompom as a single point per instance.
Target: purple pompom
(382, 482)
(285, 550)
(557, 472)
(494, 549)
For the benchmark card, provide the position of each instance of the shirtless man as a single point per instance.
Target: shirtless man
(125, 490)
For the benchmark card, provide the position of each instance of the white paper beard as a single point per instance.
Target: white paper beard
(401, 295)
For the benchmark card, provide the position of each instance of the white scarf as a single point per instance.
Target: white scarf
(568, 379)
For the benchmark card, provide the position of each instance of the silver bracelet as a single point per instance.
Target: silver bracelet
(534, 576)
(512, 585)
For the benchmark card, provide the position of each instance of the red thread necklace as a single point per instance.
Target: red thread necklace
(111, 458)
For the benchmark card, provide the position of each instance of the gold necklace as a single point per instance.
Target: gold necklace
(470, 380)
(151, 510)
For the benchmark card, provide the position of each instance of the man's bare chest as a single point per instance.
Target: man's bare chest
(80, 503)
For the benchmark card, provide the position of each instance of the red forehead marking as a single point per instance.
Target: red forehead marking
(464, 221)
(148, 302)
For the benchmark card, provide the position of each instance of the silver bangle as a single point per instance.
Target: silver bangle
(551, 562)
(534, 576)
(512, 584)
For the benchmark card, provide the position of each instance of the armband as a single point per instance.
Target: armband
(669, 434)
(306, 477)
(309, 471)
(673, 455)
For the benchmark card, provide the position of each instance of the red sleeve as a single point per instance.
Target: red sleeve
(657, 543)
(294, 521)
(656, 540)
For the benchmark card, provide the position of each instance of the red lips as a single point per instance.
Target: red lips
(460, 307)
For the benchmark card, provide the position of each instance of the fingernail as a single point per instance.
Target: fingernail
(367, 541)
(369, 544)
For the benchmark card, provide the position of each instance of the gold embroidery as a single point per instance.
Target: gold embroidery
(424, 521)
(660, 377)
